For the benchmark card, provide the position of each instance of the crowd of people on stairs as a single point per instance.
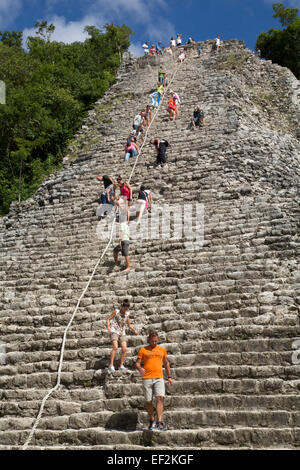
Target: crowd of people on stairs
(119, 193)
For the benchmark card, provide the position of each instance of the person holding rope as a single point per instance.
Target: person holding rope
(172, 109)
(156, 96)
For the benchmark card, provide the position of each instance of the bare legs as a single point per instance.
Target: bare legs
(114, 350)
(159, 408)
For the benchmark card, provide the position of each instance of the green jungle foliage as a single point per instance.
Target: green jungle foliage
(282, 46)
(49, 89)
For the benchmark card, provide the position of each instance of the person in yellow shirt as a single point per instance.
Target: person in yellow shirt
(153, 357)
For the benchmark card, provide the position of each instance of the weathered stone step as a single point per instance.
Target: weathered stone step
(209, 386)
(191, 372)
(28, 407)
(176, 420)
(208, 437)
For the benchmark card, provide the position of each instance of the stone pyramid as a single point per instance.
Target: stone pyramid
(227, 311)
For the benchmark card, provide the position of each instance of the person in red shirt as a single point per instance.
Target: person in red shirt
(153, 357)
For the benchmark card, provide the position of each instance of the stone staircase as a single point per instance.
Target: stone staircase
(228, 313)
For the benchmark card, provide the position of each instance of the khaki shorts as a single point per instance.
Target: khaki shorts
(154, 387)
(116, 337)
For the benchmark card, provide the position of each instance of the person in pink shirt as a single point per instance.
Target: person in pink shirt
(126, 193)
(153, 50)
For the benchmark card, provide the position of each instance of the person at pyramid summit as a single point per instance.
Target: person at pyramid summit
(145, 46)
(218, 43)
(153, 50)
(179, 40)
(116, 326)
(153, 358)
(159, 49)
(172, 42)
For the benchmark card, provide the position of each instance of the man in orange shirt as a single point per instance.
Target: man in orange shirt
(153, 356)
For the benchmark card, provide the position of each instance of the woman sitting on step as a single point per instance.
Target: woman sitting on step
(131, 149)
(198, 118)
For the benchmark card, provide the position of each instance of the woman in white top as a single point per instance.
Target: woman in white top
(116, 325)
(172, 42)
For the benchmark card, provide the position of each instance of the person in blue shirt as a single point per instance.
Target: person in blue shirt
(159, 49)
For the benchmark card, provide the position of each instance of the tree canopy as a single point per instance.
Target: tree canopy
(50, 87)
(282, 46)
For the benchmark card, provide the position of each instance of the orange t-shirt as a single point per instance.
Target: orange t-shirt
(152, 359)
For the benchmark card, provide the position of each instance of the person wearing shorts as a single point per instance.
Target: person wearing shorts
(123, 246)
(116, 324)
(153, 357)
(144, 201)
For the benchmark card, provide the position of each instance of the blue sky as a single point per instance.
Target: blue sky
(150, 20)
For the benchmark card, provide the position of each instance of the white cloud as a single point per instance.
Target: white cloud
(160, 30)
(68, 31)
(136, 50)
(141, 9)
(9, 10)
(151, 15)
